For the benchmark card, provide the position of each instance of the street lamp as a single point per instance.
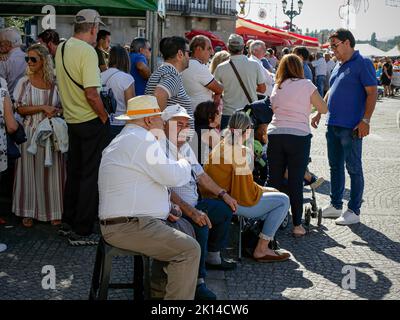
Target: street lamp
(292, 13)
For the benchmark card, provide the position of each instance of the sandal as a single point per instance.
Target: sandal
(55, 222)
(27, 222)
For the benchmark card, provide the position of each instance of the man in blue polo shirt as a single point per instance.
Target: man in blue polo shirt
(351, 103)
(140, 56)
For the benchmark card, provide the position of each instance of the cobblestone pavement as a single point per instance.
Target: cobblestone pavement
(371, 248)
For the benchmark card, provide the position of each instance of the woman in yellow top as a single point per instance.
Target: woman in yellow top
(229, 165)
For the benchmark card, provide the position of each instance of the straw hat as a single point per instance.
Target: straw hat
(141, 107)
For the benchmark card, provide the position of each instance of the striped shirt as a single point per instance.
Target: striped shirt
(169, 79)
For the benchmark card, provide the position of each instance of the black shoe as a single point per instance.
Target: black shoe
(224, 265)
(77, 240)
(203, 293)
(64, 230)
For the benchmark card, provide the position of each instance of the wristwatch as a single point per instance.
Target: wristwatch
(222, 193)
(366, 120)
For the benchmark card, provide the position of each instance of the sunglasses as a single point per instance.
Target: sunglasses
(334, 46)
(33, 59)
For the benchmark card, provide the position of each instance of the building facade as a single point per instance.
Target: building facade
(217, 16)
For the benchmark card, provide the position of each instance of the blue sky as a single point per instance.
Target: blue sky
(324, 14)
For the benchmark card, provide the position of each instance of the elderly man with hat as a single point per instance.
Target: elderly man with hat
(241, 78)
(134, 199)
(78, 78)
(210, 217)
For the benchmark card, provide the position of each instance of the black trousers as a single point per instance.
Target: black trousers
(292, 152)
(81, 198)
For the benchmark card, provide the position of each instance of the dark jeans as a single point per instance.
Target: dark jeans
(214, 239)
(291, 152)
(81, 198)
(343, 149)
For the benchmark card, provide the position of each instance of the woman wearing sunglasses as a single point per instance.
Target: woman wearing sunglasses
(38, 190)
(229, 165)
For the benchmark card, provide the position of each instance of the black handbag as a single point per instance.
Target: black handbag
(14, 139)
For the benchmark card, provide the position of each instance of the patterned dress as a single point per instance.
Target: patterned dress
(3, 138)
(38, 190)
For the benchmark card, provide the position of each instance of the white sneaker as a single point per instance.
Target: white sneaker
(331, 212)
(348, 218)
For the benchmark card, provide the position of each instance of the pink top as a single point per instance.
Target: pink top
(292, 105)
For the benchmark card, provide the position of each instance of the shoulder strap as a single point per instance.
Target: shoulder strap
(66, 71)
(240, 81)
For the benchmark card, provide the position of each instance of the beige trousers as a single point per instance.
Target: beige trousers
(153, 238)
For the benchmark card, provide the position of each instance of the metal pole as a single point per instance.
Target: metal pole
(291, 17)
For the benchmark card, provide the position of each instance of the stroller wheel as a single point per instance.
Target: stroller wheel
(307, 217)
(319, 217)
(285, 222)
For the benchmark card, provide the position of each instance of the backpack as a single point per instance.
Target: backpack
(107, 96)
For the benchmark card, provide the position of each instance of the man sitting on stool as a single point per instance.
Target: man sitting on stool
(210, 217)
(134, 200)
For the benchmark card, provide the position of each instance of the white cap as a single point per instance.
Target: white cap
(173, 111)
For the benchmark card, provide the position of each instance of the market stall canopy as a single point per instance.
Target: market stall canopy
(119, 8)
(395, 52)
(305, 40)
(273, 36)
(369, 51)
(215, 40)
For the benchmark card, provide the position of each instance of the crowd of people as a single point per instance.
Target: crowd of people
(385, 74)
(202, 138)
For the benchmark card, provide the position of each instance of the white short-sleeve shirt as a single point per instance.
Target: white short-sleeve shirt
(195, 79)
(118, 81)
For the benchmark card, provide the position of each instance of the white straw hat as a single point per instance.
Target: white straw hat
(141, 107)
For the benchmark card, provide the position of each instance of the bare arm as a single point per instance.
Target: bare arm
(317, 118)
(11, 123)
(364, 128)
(261, 87)
(129, 93)
(372, 94)
(143, 70)
(162, 97)
(215, 87)
(94, 100)
(319, 103)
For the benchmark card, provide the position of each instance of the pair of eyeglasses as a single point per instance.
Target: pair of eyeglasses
(33, 59)
(335, 45)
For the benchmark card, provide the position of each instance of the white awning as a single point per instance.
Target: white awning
(370, 51)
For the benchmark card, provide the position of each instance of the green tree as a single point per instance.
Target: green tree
(17, 22)
(374, 41)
